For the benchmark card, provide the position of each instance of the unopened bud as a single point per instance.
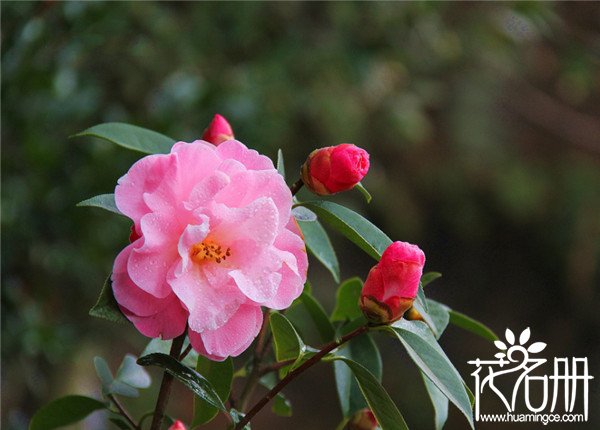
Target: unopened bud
(363, 420)
(218, 131)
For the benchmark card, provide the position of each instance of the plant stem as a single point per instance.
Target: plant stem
(259, 353)
(165, 386)
(123, 412)
(295, 187)
(185, 352)
(292, 375)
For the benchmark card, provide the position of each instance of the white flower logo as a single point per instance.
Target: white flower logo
(534, 348)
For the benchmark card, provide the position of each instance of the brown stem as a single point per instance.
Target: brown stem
(122, 411)
(185, 352)
(259, 353)
(295, 187)
(292, 375)
(165, 386)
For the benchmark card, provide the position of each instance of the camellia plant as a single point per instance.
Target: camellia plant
(217, 264)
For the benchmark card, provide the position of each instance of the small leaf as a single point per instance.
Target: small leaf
(280, 163)
(133, 374)
(303, 214)
(360, 187)
(64, 411)
(355, 227)
(524, 337)
(500, 345)
(288, 345)
(106, 306)
(131, 137)
(429, 277)
(437, 317)
(387, 414)
(220, 375)
(319, 317)
(236, 417)
(103, 201)
(536, 347)
(439, 401)
(104, 373)
(364, 351)
(469, 324)
(319, 245)
(281, 406)
(347, 297)
(120, 423)
(510, 336)
(189, 377)
(421, 299)
(431, 359)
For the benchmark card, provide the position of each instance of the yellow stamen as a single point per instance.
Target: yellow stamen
(209, 250)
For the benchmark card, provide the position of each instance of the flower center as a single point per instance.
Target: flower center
(209, 250)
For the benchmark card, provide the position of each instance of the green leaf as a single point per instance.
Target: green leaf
(288, 345)
(189, 377)
(280, 163)
(362, 350)
(387, 414)
(132, 373)
(465, 322)
(120, 423)
(429, 277)
(281, 406)
(436, 316)
(106, 306)
(104, 373)
(64, 411)
(103, 201)
(355, 227)
(421, 300)
(164, 347)
(319, 317)
(347, 297)
(220, 375)
(439, 401)
(431, 359)
(131, 137)
(318, 243)
(360, 187)
(303, 214)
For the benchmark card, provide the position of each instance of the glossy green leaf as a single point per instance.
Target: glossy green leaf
(319, 245)
(287, 342)
(465, 322)
(131, 137)
(197, 383)
(64, 411)
(280, 163)
(387, 414)
(300, 213)
(429, 277)
(355, 227)
(132, 373)
(319, 317)
(421, 300)
(439, 401)
(347, 298)
(360, 187)
(164, 347)
(362, 350)
(106, 306)
(431, 359)
(103, 201)
(220, 375)
(282, 406)
(436, 316)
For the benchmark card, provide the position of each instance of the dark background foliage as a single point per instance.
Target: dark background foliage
(482, 121)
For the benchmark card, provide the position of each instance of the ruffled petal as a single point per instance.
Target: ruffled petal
(248, 157)
(234, 337)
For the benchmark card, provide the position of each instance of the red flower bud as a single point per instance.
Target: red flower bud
(392, 284)
(177, 425)
(218, 131)
(335, 168)
(363, 420)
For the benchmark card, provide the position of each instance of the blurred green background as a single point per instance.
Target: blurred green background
(483, 124)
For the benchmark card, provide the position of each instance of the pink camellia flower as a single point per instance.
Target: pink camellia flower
(218, 131)
(214, 241)
(392, 284)
(335, 168)
(177, 425)
(363, 420)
